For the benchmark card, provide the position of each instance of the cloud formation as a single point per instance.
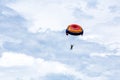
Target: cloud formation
(95, 16)
(33, 40)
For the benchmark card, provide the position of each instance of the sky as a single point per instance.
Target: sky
(33, 44)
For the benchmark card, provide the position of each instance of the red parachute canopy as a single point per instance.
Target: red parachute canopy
(74, 29)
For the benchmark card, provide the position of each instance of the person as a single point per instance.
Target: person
(71, 47)
(73, 30)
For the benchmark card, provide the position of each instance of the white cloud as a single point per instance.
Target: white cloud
(36, 67)
(9, 59)
(104, 54)
(44, 15)
(87, 59)
(56, 15)
(41, 67)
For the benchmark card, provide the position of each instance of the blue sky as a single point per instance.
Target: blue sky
(33, 44)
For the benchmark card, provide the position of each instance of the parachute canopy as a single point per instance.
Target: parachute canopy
(74, 29)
